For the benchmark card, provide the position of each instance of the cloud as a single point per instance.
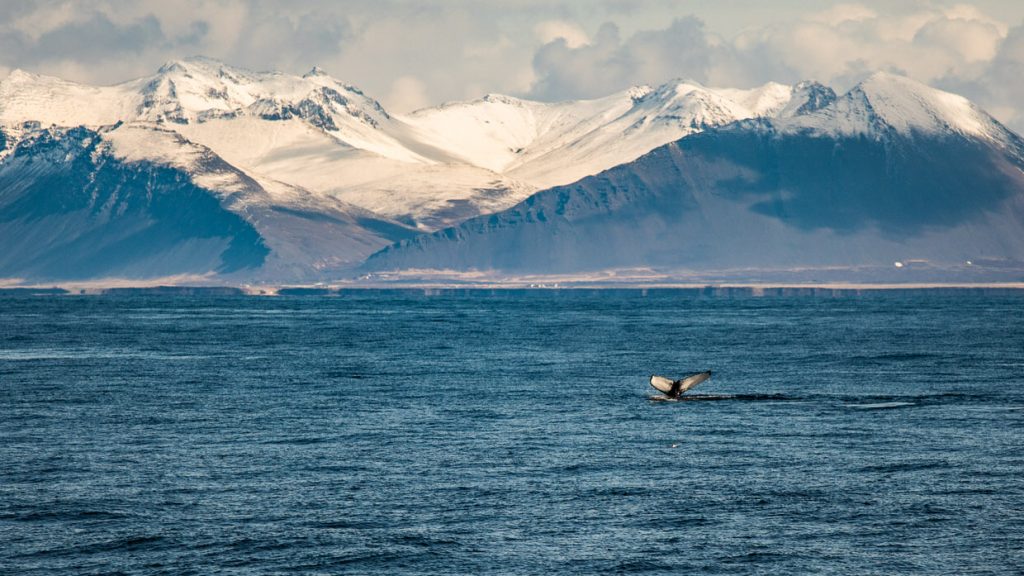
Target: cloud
(550, 30)
(294, 40)
(32, 22)
(607, 64)
(998, 85)
(453, 52)
(838, 45)
(925, 44)
(842, 13)
(97, 38)
(959, 49)
(965, 40)
(412, 52)
(90, 43)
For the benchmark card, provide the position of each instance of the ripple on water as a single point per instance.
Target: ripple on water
(493, 434)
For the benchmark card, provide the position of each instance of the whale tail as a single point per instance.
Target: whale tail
(675, 388)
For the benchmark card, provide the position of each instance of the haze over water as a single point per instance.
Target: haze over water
(511, 433)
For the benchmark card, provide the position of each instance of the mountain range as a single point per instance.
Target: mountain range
(891, 181)
(211, 170)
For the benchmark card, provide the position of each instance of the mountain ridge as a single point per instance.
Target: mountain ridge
(352, 149)
(862, 181)
(326, 177)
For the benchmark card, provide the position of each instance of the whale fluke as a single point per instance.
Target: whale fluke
(675, 388)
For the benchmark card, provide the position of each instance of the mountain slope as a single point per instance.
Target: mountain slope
(548, 144)
(138, 201)
(68, 211)
(311, 132)
(890, 171)
(207, 169)
(428, 169)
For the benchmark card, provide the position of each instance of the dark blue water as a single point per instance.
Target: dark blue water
(511, 434)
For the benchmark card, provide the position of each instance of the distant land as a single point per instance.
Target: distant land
(208, 174)
(452, 288)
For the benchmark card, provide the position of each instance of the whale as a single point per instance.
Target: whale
(675, 388)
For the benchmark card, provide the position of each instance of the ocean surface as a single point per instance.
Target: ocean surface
(511, 433)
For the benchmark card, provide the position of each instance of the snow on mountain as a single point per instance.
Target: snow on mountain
(138, 200)
(807, 97)
(830, 187)
(325, 176)
(499, 132)
(307, 233)
(68, 209)
(888, 102)
(312, 132)
(197, 90)
(767, 100)
(547, 144)
(51, 101)
(431, 168)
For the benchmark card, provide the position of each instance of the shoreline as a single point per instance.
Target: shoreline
(753, 289)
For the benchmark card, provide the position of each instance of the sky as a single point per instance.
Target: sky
(415, 53)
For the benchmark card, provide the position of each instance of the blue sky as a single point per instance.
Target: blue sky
(410, 54)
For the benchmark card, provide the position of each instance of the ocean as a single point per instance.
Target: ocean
(511, 432)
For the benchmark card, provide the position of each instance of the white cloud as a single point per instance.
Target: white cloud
(926, 44)
(999, 84)
(838, 45)
(968, 40)
(551, 30)
(968, 12)
(607, 63)
(45, 18)
(415, 52)
(453, 52)
(842, 13)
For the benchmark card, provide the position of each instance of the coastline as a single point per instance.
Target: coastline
(725, 289)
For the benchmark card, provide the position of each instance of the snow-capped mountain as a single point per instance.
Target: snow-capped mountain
(830, 187)
(303, 177)
(69, 209)
(136, 201)
(547, 144)
(198, 90)
(431, 168)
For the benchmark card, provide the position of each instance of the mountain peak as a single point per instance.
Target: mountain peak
(880, 77)
(202, 66)
(808, 96)
(684, 82)
(675, 88)
(885, 102)
(190, 63)
(171, 66)
(908, 105)
(502, 99)
(25, 80)
(19, 75)
(314, 72)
